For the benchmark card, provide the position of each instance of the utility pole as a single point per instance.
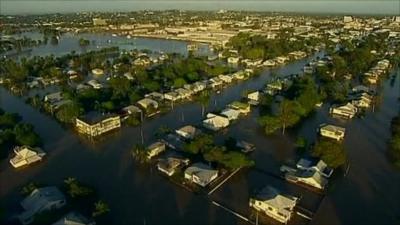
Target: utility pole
(141, 126)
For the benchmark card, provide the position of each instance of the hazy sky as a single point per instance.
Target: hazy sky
(322, 6)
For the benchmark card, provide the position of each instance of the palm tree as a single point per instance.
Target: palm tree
(139, 153)
(203, 100)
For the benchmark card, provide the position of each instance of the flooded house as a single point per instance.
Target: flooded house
(170, 165)
(200, 174)
(25, 155)
(94, 124)
(332, 131)
(274, 204)
(155, 149)
(347, 111)
(231, 114)
(215, 122)
(74, 218)
(242, 107)
(188, 132)
(41, 200)
(254, 97)
(312, 178)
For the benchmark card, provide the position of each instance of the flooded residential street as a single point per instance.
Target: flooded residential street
(369, 194)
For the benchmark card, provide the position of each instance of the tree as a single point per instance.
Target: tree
(76, 189)
(331, 152)
(25, 135)
(139, 153)
(100, 208)
(203, 98)
(69, 112)
(199, 144)
(289, 114)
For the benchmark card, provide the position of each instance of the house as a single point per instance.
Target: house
(361, 100)
(348, 110)
(74, 218)
(231, 114)
(240, 75)
(245, 147)
(131, 110)
(53, 97)
(254, 97)
(95, 84)
(94, 124)
(184, 93)
(174, 141)
(315, 164)
(147, 103)
(188, 132)
(331, 131)
(269, 63)
(215, 122)
(172, 96)
(171, 164)
(233, 60)
(25, 155)
(274, 87)
(274, 204)
(97, 72)
(41, 200)
(155, 149)
(199, 86)
(155, 95)
(225, 78)
(200, 174)
(243, 108)
(215, 82)
(360, 88)
(311, 178)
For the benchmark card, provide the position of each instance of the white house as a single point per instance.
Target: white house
(25, 155)
(148, 102)
(95, 84)
(97, 72)
(225, 78)
(215, 122)
(231, 114)
(200, 174)
(172, 96)
(274, 204)
(233, 60)
(243, 108)
(316, 165)
(171, 164)
(41, 200)
(254, 97)
(332, 131)
(188, 132)
(311, 178)
(348, 110)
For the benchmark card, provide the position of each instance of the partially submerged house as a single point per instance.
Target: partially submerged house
(254, 97)
(169, 165)
(41, 200)
(188, 132)
(231, 114)
(243, 108)
(215, 122)
(94, 124)
(348, 110)
(332, 131)
(74, 218)
(311, 178)
(274, 204)
(155, 149)
(25, 155)
(201, 174)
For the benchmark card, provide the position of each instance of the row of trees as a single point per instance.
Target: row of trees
(14, 132)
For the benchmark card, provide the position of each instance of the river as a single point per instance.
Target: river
(369, 194)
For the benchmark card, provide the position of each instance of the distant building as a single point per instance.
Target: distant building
(99, 22)
(348, 110)
(41, 200)
(188, 132)
(347, 19)
(274, 204)
(95, 124)
(215, 122)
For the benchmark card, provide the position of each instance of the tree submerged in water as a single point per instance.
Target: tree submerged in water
(100, 208)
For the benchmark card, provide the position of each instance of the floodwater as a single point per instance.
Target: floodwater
(69, 42)
(369, 194)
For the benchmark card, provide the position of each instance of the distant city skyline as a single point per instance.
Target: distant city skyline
(391, 7)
